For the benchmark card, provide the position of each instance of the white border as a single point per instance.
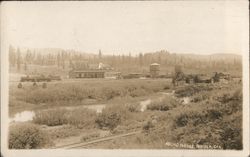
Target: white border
(108, 153)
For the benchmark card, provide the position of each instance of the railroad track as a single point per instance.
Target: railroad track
(85, 144)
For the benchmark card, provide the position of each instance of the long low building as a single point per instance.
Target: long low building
(86, 74)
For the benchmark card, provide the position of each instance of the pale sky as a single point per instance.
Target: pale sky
(202, 27)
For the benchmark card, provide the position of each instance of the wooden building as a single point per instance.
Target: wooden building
(86, 74)
(113, 75)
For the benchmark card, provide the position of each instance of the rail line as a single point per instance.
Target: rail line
(85, 144)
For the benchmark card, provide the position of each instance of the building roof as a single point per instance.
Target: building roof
(89, 70)
(154, 64)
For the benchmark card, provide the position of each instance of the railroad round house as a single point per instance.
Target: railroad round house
(86, 74)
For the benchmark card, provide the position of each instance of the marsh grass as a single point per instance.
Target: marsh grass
(79, 91)
(78, 117)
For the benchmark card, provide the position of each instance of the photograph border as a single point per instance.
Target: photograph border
(124, 153)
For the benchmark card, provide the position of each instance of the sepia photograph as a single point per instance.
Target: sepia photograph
(125, 78)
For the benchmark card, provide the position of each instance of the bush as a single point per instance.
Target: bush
(133, 107)
(213, 121)
(44, 85)
(27, 136)
(63, 132)
(181, 120)
(165, 104)
(201, 96)
(20, 85)
(90, 136)
(137, 92)
(147, 126)
(81, 118)
(51, 117)
(119, 129)
(112, 116)
(108, 120)
(231, 135)
(191, 90)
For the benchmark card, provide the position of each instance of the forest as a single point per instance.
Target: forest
(21, 58)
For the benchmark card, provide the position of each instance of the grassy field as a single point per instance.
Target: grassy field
(213, 117)
(81, 92)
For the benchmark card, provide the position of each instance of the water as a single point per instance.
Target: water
(97, 108)
(23, 116)
(185, 100)
(144, 104)
(29, 115)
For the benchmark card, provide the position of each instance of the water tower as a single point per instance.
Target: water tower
(154, 70)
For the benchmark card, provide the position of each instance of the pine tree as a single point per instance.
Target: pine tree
(25, 66)
(100, 54)
(58, 59)
(140, 59)
(18, 59)
(12, 56)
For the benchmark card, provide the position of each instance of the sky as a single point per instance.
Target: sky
(200, 27)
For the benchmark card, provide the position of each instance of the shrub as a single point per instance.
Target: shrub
(110, 93)
(231, 134)
(137, 92)
(108, 120)
(20, 85)
(90, 136)
(190, 90)
(165, 104)
(135, 107)
(197, 117)
(26, 136)
(63, 132)
(214, 114)
(182, 120)
(231, 138)
(112, 116)
(215, 121)
(81, 117)
(147, 126)
(201, 96)
(44, 85)
(51, 117)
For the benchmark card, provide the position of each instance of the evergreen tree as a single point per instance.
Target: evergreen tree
(140, 59)
(12, 56)
(18, 59)
(100, 54)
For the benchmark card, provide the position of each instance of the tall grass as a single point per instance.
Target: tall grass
(51, 117)
(78, 91)
(78, 117)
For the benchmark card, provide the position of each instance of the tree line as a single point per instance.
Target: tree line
(66, 58)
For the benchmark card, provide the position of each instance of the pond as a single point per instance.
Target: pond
(23, 116)
(144, 104)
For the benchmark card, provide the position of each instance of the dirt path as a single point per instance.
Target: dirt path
(84, 144)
